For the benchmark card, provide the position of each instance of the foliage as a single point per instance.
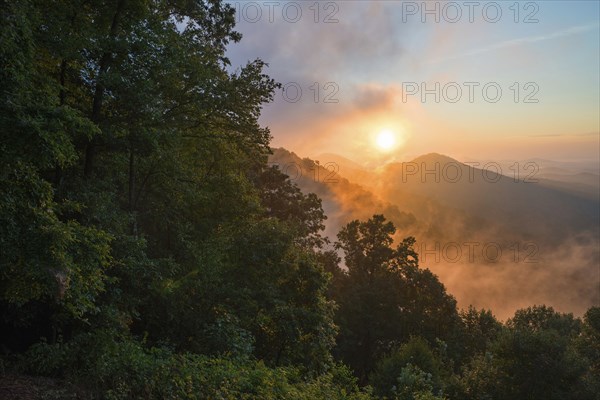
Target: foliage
(479, 329)
(384, 297)
(534, 357)
(411, 368)
(125, 369)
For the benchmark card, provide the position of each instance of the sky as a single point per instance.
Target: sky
(469, 79)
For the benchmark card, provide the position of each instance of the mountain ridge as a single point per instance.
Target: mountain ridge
(550, 231)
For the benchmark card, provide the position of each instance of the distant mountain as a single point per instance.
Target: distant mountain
(584, 184)
(348, 168)
(343, 201)
(433, 158)
(449, 199)
(528, 207)
(581, 178)
(340, 160)
(546, 233)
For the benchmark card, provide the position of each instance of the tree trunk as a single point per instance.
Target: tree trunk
(132, 190)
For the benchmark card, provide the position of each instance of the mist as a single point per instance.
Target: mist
(499, 244)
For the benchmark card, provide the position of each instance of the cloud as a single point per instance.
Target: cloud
(566, 277)
(574, 30)
(326, 50)
(585, 134)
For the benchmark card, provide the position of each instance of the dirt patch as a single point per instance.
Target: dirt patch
(23, 387)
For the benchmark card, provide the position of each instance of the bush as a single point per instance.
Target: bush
(125, 369)
(414, 355)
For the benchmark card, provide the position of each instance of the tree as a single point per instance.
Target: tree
(137, 208)
(279, 292)
(588, 345)
(384, 297)
(534, 358)
(283, 200)
(51, 269)
(128, 150)
(391, 375)
(479, 329)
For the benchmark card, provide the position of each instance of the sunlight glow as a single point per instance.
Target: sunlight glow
(386, 140)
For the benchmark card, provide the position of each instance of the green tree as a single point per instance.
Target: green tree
(414, 359)
(280, 292)
(51, 269)
(533, 358)
(479, 329)
(588, 345)
(384, 297)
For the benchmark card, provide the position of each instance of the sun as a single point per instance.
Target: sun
(386, 140)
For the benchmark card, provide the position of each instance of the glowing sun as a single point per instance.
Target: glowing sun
(386, 140)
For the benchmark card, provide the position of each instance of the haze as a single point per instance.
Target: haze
(369, 85)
